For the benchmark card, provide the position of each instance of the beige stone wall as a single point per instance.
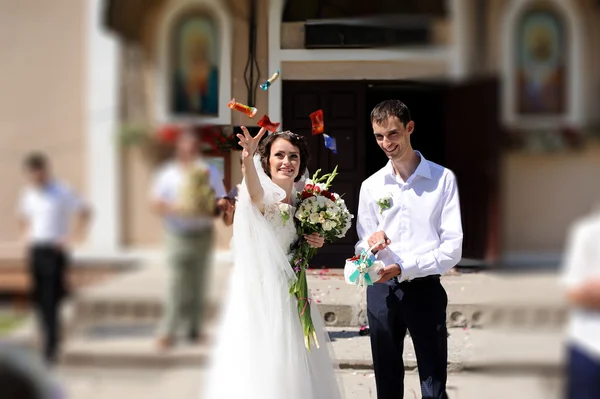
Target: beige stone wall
(140, 226)
(42, 103)
(543, 194)
(590, 13)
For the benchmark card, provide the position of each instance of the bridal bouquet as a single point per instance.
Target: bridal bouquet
(197, 197)
(323, 212)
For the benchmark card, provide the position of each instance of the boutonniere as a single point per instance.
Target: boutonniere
(384, 203)
(284, 212)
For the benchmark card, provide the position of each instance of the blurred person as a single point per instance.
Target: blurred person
(232, 197)
(45, 212)
(188, 237)
(261, 351)
(21, 377)
(412, 207)
(581, 275)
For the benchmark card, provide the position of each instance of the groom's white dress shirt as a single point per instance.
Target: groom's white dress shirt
(423, 221)
(581, 263)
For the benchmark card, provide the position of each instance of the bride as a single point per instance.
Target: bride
(260, 352)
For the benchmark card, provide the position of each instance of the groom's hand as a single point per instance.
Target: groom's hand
(375, 238)
(389, 272)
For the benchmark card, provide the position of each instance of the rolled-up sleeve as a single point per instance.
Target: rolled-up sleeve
(449, 251)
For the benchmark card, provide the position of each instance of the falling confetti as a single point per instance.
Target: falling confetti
(330, 143)
(270, 81)
(317, 122)
(267, 124)
(250, 111)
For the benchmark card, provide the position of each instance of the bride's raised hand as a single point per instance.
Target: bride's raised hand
(249, 143)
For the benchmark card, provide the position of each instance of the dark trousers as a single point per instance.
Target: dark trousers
(583, 375)
(48, 267)
(418, 306)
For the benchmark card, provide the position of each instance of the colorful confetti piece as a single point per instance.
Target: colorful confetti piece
(270, 81)
(267, 124)
(330, 143)
(250, 111)
(317, 122)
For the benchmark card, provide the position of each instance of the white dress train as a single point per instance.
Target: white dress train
(260, 352)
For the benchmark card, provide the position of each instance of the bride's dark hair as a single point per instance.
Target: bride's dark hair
(296, 140)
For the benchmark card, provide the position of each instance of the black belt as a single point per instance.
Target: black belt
(426, 278)
(45, 246)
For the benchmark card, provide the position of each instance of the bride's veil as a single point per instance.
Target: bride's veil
(260, 334)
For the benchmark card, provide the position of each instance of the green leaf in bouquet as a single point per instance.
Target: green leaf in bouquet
(315, 175)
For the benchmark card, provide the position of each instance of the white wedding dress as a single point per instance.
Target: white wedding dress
(260, 352)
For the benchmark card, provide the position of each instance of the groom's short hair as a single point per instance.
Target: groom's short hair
(389, 108)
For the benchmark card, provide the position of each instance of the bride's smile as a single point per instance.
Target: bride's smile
(284, 160)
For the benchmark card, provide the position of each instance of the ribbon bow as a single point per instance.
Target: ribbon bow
(363, 262)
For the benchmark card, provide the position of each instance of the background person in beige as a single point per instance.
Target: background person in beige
(45, 212)
(188, 238)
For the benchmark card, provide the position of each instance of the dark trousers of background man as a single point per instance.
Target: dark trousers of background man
(48, 268)
(418, 306)
(583, 374)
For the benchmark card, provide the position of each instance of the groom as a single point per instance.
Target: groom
(412, 205)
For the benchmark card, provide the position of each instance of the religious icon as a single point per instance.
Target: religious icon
(195, 73)
(541, 63)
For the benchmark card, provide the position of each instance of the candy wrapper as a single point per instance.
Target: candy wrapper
(317, 122)
(330, 143)
(267, 124)
(250, 111)
(197, 198)
(270, 81)
(363, 269)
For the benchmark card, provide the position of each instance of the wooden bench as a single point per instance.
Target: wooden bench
(15, 282)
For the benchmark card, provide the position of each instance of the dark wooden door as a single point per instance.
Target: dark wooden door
(472, 140)
(344, 116)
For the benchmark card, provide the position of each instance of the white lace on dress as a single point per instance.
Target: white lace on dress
(284, 231)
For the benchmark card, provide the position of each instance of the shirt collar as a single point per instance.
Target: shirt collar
(423, 168)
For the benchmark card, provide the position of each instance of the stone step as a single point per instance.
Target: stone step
(468, 349)
(474, 300)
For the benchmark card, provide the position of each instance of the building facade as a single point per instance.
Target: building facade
(504, 92)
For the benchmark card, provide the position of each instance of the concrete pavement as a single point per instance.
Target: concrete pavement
(186, 383)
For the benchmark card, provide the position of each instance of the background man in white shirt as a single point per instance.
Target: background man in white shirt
(582, 277)
(45, 211)
(412, 204)
(188, 238)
